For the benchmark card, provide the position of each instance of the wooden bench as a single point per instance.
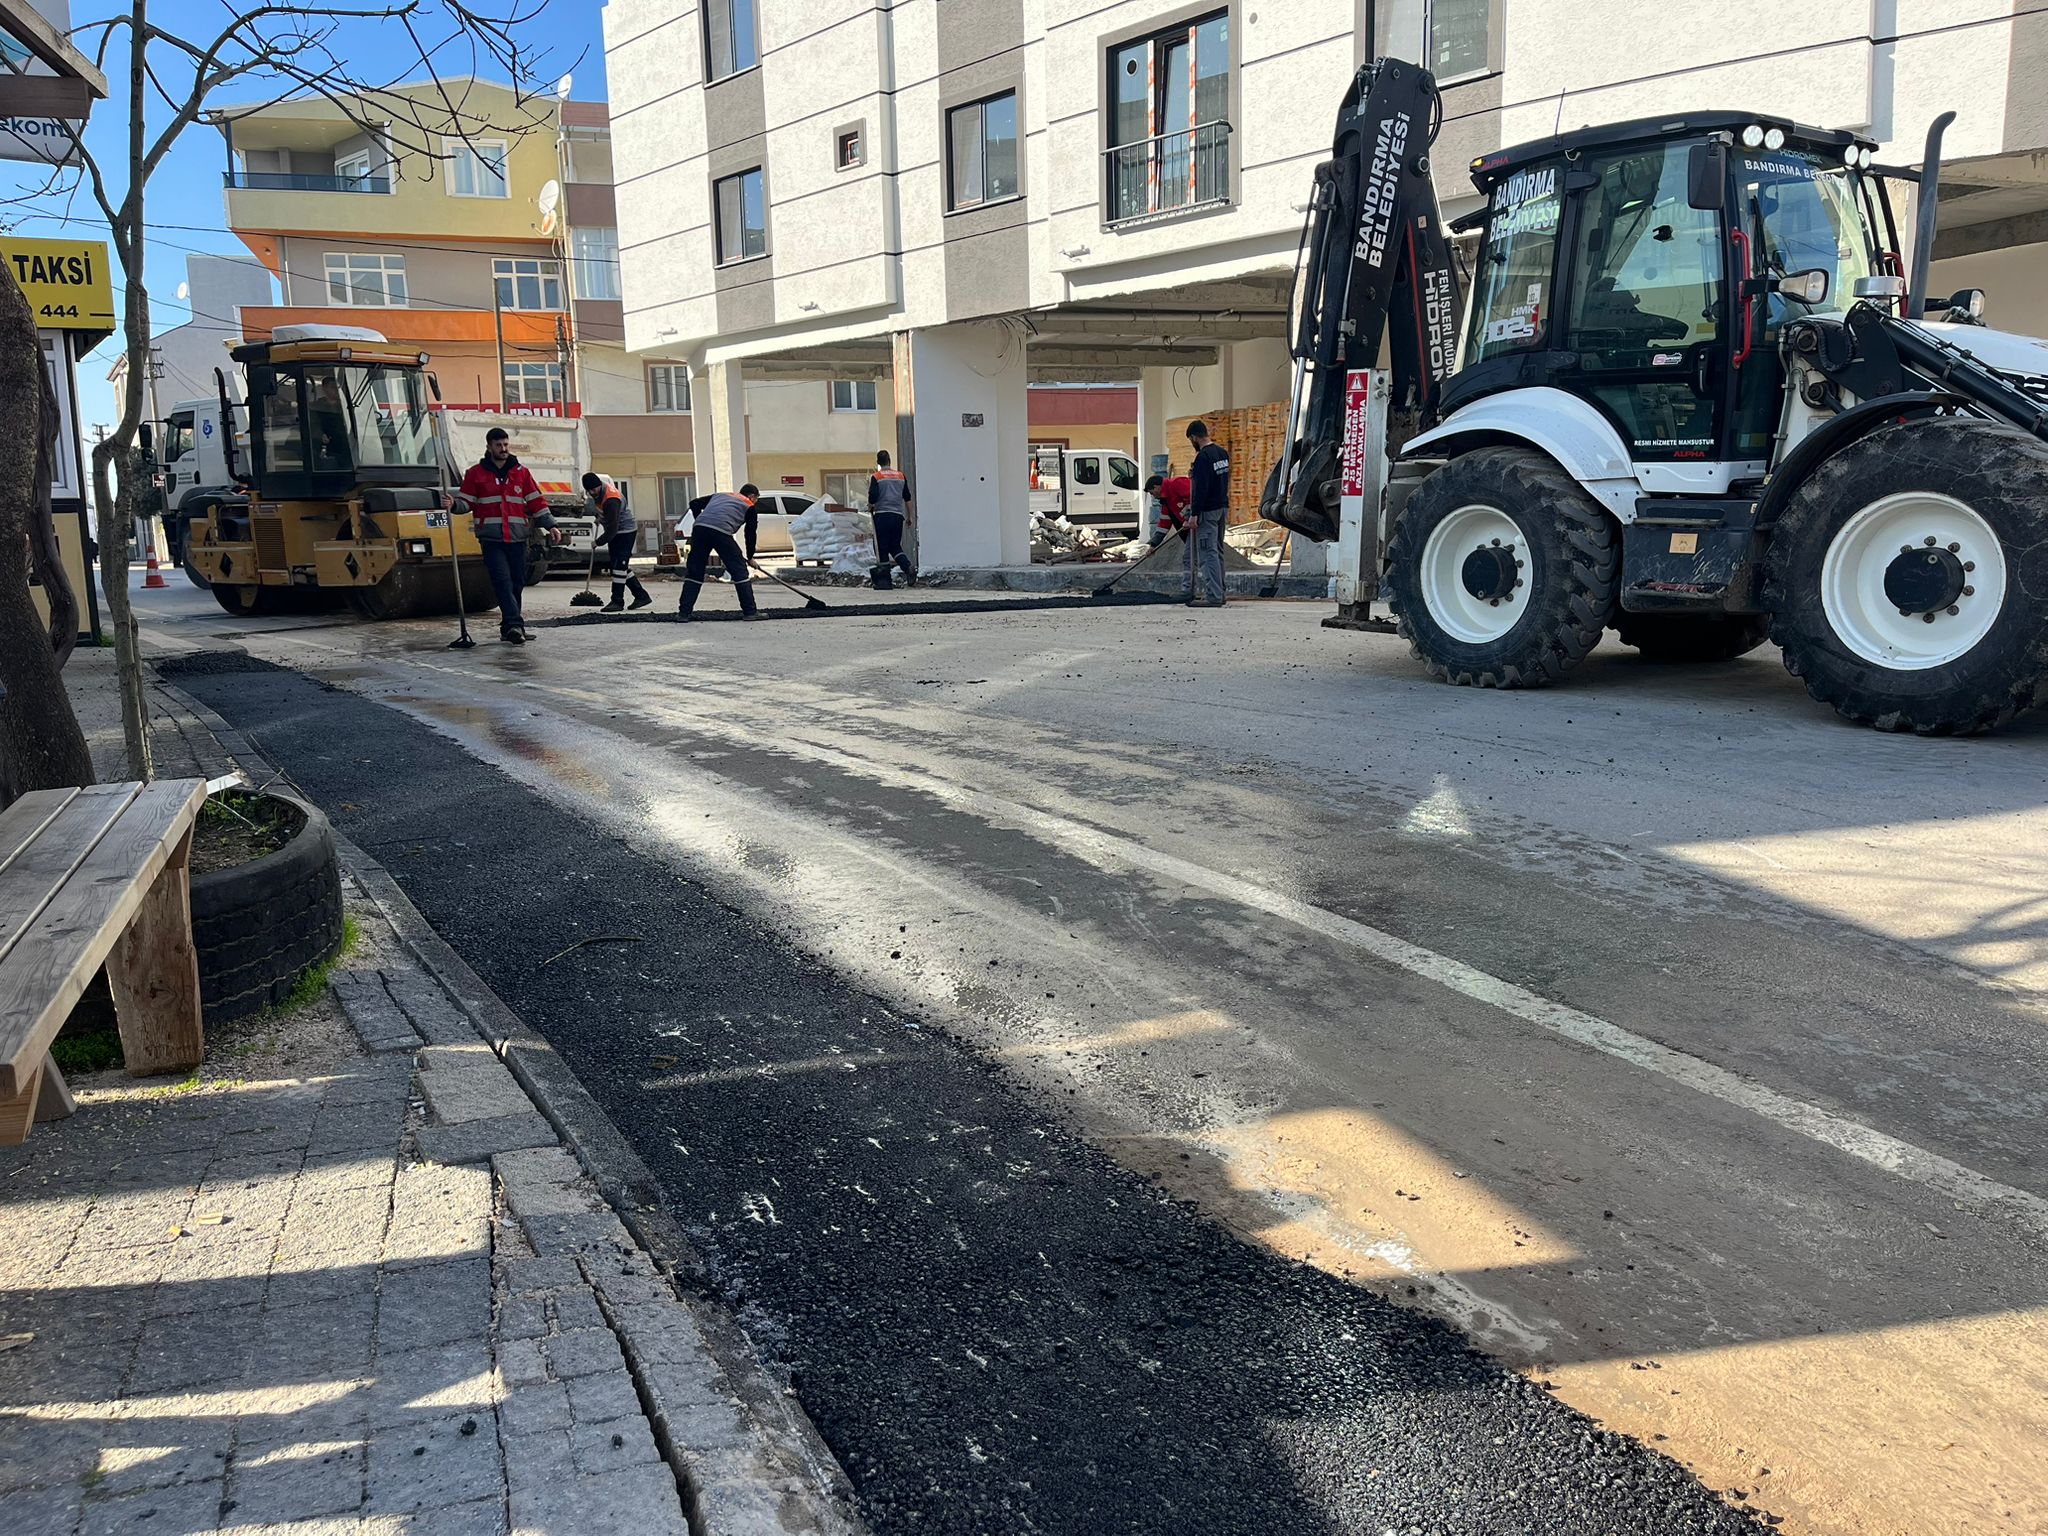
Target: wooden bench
(88, 878)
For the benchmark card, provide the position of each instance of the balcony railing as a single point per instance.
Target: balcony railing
(292, 181)
(1167, 173)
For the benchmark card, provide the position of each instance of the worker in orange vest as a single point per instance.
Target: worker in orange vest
(889, 503)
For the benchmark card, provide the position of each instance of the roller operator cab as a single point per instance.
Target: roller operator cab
(345, 483)
(1687, 402)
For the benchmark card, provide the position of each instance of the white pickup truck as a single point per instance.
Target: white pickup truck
(1090, 487)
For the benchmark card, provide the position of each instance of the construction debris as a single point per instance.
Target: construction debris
(1057, 541)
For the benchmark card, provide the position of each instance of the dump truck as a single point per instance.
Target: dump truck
(1696, 397)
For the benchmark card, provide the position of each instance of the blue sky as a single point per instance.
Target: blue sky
(184, 198)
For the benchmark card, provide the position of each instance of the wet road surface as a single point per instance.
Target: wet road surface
(1675, 1042)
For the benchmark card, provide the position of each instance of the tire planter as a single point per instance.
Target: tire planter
(260, 926)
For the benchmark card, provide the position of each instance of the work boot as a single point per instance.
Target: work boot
(641, 599)
(879, 575)
(616, 605)
(511, 636)
(751, 613)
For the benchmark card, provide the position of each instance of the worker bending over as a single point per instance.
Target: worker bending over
(620, 532)
(717, 518)
(1170, 496)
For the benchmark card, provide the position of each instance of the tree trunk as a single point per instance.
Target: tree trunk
(46, 557)
(41, 746)
(115, 498)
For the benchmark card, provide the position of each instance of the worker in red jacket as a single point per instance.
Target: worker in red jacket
(502, 499)
(1170, 496)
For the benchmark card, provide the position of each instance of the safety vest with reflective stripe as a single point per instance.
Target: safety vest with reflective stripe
(502, 499)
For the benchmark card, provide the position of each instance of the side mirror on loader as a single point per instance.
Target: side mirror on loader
(1809, 287)
(1706, 181)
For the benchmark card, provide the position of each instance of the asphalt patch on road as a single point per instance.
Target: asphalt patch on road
(842, 610)
(995, 1326)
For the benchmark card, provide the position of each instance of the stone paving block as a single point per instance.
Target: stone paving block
(210, 1276)
(42, 1451)
(189, 1348)
(318, 1340)
(174, 1511)
(540, 1165)
(301, 1413)
(434, 1462)
(385, 1083)
(433, 1013)
(153, 1450)
(480, 1140)
(539, 1406)
(45, 1511)
(326, 1221)
(612, 1445)
(377, 1020)
(352, 1127)
(593, 1233)
(695, 1428)
(581, 1353)
(521, 1317)
(575, 1308)
(673, 1385)
(603, 1395)
(110, 1282)
(749, 1507)
(320, 1525)
(432, 1383)
(485, 1517)
(434, 1304)
(643, 1500)
(522, 1276)
(123, 1221)
(469, 1082)
(661, 1332)
(297, 1482)
(521, 1362)
(438, 1212)
(333, 1172)
(298, 1279)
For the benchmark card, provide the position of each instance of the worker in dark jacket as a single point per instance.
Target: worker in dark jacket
(620, 532)
(1210, 479)
(717, 518)
(503, 498)
(889, 505)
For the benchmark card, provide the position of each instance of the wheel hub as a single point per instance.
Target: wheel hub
(1491, 572)
(1924, 580)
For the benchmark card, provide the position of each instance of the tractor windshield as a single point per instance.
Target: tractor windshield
(1805, 213)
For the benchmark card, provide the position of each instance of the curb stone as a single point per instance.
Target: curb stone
(589, 1211)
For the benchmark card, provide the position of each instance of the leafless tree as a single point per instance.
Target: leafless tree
(274, 53)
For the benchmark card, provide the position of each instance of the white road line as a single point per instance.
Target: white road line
(1896, 1156)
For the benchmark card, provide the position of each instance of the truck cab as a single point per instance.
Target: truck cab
(1091, 487)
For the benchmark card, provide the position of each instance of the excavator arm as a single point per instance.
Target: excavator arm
(1374, 270)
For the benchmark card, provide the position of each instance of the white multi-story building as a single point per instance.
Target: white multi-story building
(953, 197)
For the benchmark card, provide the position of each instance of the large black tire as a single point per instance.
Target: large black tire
(183, 535)
(244, 602)
(260, 926)
(2000, 476)
(537, 562)
(1566, 583)
(1693, 637)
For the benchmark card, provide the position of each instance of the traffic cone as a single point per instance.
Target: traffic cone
(154, 581)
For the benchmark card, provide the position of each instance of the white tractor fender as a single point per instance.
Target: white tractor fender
(1563, 426)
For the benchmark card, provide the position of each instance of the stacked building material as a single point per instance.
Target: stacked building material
(1254, 436)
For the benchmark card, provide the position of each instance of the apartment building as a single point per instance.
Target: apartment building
(957, 198)
(183, 357)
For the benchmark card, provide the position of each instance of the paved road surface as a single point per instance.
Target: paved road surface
(1673, 1040)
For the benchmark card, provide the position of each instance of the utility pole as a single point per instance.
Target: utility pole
(498, 322)
(564, 362)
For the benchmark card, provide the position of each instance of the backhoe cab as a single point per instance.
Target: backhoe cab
(1686, 403)
(344, 479)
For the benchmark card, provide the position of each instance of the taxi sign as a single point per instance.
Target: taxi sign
(67, 282)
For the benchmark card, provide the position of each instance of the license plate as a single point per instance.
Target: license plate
(437, 519)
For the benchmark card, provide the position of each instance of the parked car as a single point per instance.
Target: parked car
(776, 508)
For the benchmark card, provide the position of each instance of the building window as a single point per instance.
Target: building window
(532, 383)
(849, 149)
(527, 283)
(1169, 129)
(742, 216)
(729, 44)
(668, 387)
(366, 281)
(1460, 38)
(981, 152)
(848, 488)
(677, 492)
(357, 171)
(853, 394)
(594, 261)
(476, 168)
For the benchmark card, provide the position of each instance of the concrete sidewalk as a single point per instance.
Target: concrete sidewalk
(347, 1278)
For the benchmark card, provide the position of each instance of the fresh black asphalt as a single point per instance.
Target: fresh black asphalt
(996, 1327)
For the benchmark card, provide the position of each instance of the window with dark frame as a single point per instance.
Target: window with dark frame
(853, 395)
(730, 44)
(1460, 38)
(742, 206)
(848, 151)
(981, 152)
(1169, 127)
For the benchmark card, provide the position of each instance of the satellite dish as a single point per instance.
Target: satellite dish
(550, 199)
(562, 87)
(547, 223)
(184, 290)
